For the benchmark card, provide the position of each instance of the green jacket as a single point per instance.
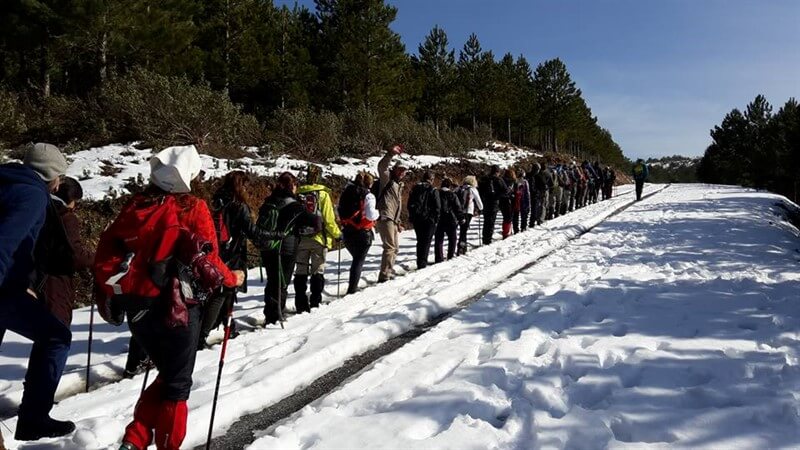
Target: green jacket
(330, 229)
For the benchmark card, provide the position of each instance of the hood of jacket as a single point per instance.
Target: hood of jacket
(20, 174)
(305, 189)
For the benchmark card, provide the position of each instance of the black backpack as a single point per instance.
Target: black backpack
(53, 252)
(419, 203)
(464, 194)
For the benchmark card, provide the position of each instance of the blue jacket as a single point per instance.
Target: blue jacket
(23, 206)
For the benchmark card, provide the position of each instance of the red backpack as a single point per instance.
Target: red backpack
(133, 251)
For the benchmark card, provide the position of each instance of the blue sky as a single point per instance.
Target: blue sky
(658, 74)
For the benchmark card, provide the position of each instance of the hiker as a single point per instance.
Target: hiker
(315, 241)
(572, 193)
(558, 189)
(357, 214)
(451, 214)
(592, 180)
(609, 177)
(280, 213)
(522, 205)
(471, 199)
(600, 180)
(424, 208)
(640, 172)
(552, 183)
(158, 233)
(389, 198)
(537, 178)
(491, 188)
(234, 225)
(507, 201)
(24, 197)
(60, 252)
(580, 191)
(565, 181)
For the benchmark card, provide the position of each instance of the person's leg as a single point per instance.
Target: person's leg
(420, 231)
(524, 220)
(318, 255)
(463, 243)
(515, 218)
(303, 266)
(212, 309)
(359, 244)
(489, 217)
(27, 317)
(135, 360)
(639, 189)
(452, 234)
(273, 288)
(438, 252)
(287, 269)
(388, 232)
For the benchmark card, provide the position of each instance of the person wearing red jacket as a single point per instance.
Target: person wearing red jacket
(161, 411)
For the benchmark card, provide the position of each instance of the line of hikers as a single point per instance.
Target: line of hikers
(172, 266)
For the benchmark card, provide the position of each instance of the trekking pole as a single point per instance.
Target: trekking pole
(89, 352)
(339, 274)
(228, 322)
(144, 383)
(280, 286)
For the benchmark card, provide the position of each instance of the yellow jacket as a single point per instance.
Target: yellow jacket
(330, 229)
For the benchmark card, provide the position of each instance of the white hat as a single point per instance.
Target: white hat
(174, 168)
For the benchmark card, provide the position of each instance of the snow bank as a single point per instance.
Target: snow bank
(105, 171)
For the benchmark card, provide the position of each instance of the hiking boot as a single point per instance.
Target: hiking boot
(48, 428)
(127, 446)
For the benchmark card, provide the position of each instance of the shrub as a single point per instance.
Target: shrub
(166, 111)
(12, 119)
(305, 133)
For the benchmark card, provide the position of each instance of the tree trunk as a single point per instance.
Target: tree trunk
(509, 130)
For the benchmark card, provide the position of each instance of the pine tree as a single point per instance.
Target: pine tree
(469, 77)
(438, 69)
(555, 95)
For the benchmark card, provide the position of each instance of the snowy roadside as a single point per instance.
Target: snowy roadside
(673, 324)
(105, 171)
(267, 365)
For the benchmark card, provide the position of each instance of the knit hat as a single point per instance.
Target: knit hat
(46, 160)
(174, 168)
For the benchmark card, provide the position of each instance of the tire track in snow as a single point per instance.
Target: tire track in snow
(241, 433)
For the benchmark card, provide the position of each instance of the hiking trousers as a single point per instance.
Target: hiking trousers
(279, 269)
(28, 317)
(161, 411)
(310, 263)
(639, 189)
(451, 231)
(390, 239)
(424, 230)
(463, 243)
(358, 243)
(489, 218)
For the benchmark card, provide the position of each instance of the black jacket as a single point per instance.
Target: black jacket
(492, 189)
(423, 203)
(452, 211)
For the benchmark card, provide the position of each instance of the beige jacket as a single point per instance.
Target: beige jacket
(390, 196)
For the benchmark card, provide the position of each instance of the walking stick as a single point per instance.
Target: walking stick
(228, 322)
(339, 274)
(144, 383)
(89, 352)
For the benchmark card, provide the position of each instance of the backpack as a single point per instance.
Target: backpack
(268, 221)
(351, 208)
(133, 252)
(418, 205)
(486, 189)
(53, 253)
(464, 193)
(311, 203)
(450, 206)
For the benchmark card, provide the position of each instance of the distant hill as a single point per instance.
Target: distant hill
(673, 169)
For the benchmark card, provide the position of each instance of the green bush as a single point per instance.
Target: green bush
(166, 111)
(12, 119)
(305, 133)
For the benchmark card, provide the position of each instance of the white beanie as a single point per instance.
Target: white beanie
(174, 168)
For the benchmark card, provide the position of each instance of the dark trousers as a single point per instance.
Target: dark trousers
(29, 318)
(424, 230)
(172, 350)
(215, 311)
(451, 230)
(520, 220)
(463, 244)
(357, 242)
(639, 188)
(136, 356)
(277, 283)
(489, 218)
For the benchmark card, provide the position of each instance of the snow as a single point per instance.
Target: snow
(673, 324)
(670, 324)
(105, 171)
(267, 365)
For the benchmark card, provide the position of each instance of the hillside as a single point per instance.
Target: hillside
(673, 169)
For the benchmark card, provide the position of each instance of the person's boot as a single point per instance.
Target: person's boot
(300, 295)
(28, 430)
(317, 285)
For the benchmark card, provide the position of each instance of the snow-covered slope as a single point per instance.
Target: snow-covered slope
(105, 171)
(672, 325)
